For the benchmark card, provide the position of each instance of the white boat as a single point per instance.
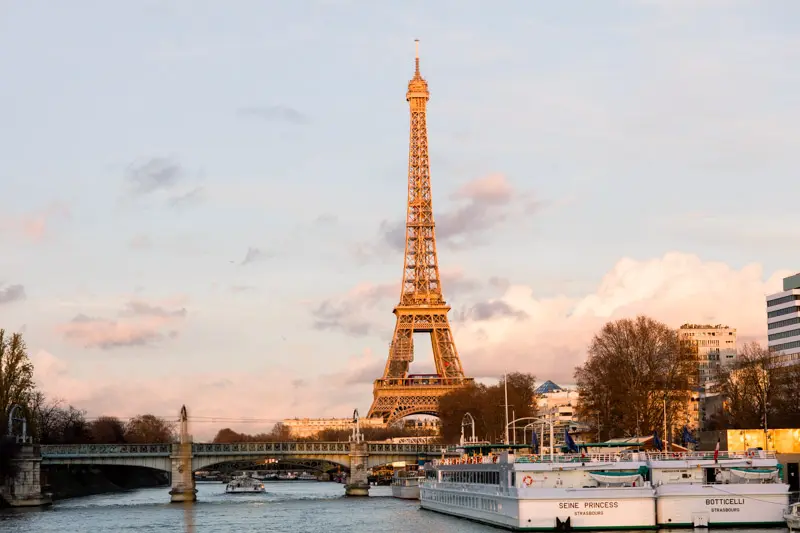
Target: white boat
(244, 485)
(792, 517)
(405, 484)
(695, 489)
(306, 476)
(535, 492)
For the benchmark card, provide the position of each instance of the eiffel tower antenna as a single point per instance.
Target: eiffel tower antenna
(422, 308)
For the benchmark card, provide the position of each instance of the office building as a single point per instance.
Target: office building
(783, 321)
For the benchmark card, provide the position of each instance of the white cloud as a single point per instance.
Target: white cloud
(676, 288)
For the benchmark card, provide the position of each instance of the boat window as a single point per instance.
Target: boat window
(471, 476)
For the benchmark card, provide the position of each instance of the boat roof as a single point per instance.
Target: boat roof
(481, 448)
(631, 443)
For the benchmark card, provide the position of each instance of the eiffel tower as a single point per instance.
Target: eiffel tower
(422, 308)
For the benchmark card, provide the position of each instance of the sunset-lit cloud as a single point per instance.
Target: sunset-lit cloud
(137, 324)
(548, 334)
(35, 225)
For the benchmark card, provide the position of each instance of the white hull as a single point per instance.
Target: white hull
(244, 491)
(697, 505)
(244, 486)
(405, 492)
(541, 509)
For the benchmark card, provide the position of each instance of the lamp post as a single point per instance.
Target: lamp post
(467, 419)
(357, 436)
(765, 378)
(666, 435)
(598, 427)
(505, 386)
(514, 427)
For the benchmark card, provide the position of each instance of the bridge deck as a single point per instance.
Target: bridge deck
(241, 448)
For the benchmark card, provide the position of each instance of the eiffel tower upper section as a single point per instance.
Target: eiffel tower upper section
(421, 283)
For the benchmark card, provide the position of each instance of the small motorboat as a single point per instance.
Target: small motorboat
(405, 484)
(244, 485)
(792, 516)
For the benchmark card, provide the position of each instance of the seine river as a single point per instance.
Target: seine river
(296, 507)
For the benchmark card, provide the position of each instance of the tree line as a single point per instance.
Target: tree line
(756, 390)
(52, 420)
(281, 433)
(486, 404)
(639, 369)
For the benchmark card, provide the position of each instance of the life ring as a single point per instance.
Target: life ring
(527, 481)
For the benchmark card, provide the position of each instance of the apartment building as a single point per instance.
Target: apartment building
(716, 346)
(309, 427)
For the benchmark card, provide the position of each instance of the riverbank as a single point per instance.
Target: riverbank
(72, 481)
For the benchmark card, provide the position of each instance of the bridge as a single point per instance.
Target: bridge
(181, 459)
(203, 456)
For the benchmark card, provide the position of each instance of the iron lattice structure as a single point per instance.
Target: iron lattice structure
(422, 309)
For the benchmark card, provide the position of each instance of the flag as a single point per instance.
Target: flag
(571, 446)
(687, 436)
(535, 443)
(716, 451)
(657, 444)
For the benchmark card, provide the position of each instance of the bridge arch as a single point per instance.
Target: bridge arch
(207, 462)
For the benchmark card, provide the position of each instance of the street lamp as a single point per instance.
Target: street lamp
(357, 436)
(539, 419)
(467, 419)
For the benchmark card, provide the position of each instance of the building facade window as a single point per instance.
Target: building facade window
(783, 300)
(786, 311)
(784, 334)
(784, 323)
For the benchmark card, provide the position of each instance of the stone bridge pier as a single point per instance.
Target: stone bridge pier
(358, 483)
(181, 475)
(24, 487)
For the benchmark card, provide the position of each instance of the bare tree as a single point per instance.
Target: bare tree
(149, 429)
(280, 433)
(227, 435)
(636, 370)
(757, 391)
(107, 430)
(486, 404)
(785, 407)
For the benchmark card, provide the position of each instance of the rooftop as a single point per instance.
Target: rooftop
(547, 386)
(792, 282)
(704, 326)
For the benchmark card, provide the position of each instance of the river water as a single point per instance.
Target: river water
(295, 507)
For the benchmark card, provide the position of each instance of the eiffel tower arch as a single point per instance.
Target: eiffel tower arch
(422, 308)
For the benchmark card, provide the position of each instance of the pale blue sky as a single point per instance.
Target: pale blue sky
(625, 128)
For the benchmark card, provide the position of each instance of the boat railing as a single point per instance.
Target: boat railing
(472, 460)
(709, 456)
(578, 458)
(560, 458)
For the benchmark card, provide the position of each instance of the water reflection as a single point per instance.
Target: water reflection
(296, 507)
